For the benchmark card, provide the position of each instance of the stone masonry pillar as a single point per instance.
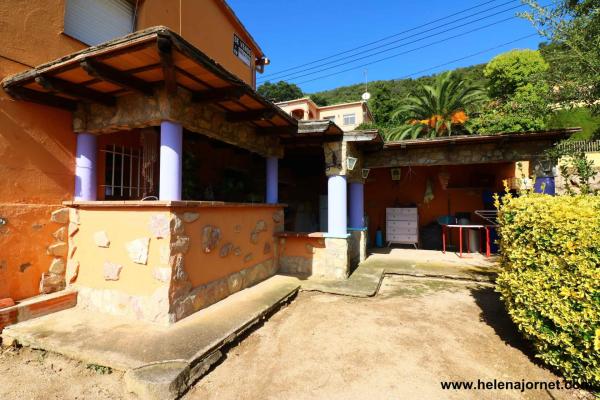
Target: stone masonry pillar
(336, 205)
(171, 156)
(357, 203)
(272, 180)
(85, 167)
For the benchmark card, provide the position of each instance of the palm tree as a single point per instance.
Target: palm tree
(434, 110)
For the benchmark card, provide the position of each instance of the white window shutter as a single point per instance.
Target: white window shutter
(97, 21)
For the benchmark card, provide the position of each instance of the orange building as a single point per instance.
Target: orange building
(37, 143)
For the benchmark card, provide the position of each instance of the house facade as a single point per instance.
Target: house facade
(348, 116)
(38, 143)
(143, 172)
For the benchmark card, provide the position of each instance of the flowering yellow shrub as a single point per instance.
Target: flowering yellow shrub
(550, 280)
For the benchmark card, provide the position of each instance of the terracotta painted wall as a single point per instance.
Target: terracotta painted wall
(184, 259)
(205, 25)
(36, 147)
(236, 226)
(381, 192)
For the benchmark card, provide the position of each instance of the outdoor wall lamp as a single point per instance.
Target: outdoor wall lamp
(351, 163)
(365, 173)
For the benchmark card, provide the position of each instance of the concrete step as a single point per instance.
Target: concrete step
(161, 362)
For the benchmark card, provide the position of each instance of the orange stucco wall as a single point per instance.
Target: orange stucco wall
(300, 246)
(205, 25)
(36, 147)
(122, 225)
(236, 225)
(37, 144)
(381, 192)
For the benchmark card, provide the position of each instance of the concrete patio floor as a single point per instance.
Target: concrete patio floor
(366, 279)
(161, 360)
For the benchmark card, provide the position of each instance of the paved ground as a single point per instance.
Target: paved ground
(366, 279)
(399, 344)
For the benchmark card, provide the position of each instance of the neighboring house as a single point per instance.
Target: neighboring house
(348, 116)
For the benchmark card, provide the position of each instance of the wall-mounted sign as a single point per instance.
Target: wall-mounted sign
(242, 51)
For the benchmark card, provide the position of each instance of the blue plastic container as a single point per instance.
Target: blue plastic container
(545, 185)
(379, 238)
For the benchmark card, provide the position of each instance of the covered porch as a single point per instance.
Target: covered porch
(423, 192)
(175, 202)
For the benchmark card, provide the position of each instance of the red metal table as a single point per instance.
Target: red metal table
(460, 231)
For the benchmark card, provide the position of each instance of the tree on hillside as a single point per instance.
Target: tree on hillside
(518, 92)
(437, 110)
(280, 91)
(319, 99)
(573, 28)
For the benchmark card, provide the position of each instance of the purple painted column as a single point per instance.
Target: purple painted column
(337, 218)
(171, 148)
(357, 204)
(272, 180)
(85, 167)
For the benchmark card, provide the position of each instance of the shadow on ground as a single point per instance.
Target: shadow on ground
(495, 315)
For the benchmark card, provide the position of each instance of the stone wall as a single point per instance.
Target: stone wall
(357, 247)
(323, 257)
(457, 154)
(139, 111)
(161, 264)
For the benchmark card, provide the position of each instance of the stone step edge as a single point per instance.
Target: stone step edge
(37, 306)
(171, 379)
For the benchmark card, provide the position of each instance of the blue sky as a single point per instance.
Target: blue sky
(293, 33)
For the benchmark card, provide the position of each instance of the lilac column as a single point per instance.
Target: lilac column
(171, 146)
(336, 206)
(357, 204)
(85, 167)
(272, 180)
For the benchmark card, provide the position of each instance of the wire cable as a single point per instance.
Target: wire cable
(384, 38)
(295, 75)
(398, 54)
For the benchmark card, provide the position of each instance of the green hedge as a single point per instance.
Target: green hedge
(550, 281)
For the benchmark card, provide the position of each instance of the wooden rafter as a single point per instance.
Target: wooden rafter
(254, 115)
(217, 95)
(25, 94)
(165, 52)
(117, 77)
(74, 90)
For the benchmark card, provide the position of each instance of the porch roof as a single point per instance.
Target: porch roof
(313, 133)
(140, 63)
(499, 138)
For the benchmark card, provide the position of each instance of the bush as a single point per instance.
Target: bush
(550, 281)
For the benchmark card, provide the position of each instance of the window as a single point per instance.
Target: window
(330, 118)
(349, 119)
(123, 173)
(96, 21)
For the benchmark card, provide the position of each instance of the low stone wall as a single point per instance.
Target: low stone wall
(314, 255)
(162, 263)
(357, 247)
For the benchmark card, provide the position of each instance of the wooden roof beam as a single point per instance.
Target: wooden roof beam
(165, 51)
(74, 90)
(218, 95)
(254, 115)
(25, 94)
(117, 77)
